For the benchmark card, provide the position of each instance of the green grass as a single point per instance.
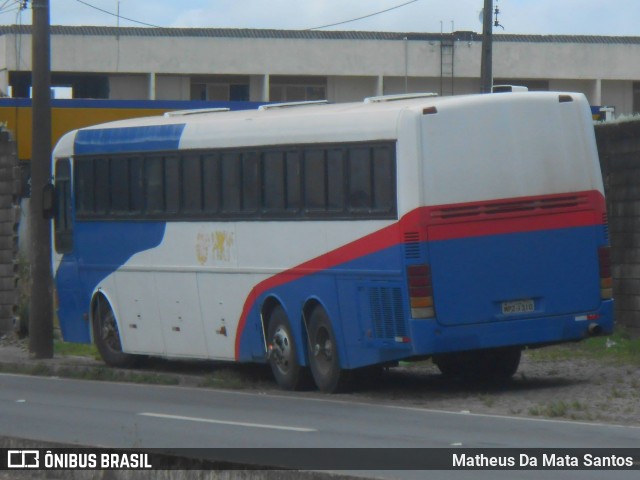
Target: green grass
(107, 374)
(100, 373)
(575, 410)
(67, 349)
(228, 381)
(619, 348)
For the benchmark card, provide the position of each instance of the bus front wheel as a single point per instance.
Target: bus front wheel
(323, 355)
(107, 337)
(283, 354)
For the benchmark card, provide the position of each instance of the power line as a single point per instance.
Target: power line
(364, 16)
(118, 16)
(14, 3)
(16, 9)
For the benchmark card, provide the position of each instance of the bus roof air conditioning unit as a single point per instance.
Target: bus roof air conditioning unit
(509, 89)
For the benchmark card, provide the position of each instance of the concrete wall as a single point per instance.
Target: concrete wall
(619, 149)
(9, 215)
(602, 69)
(173, 87)
(541, 60)
(277, 56)
(618, 94)
(129, 87)
(351, 89)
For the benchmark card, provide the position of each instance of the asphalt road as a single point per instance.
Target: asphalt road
(129, 415)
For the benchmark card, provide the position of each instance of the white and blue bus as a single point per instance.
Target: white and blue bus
(327, 238)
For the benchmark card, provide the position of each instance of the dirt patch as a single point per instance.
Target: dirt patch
(577, 389)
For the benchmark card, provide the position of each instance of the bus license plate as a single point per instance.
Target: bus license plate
(518, 306)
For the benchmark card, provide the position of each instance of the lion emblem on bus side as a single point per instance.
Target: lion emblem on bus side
(215, 246)
(203, 243)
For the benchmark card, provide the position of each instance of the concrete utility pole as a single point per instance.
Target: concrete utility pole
(486, 72)
(41, 301)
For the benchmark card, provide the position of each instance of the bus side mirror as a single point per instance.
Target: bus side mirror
(48, 201)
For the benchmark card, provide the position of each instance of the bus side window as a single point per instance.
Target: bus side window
(192, 184)
(211, 181)
(154, 183)
(273, 182)
(315, 180)
(250, 183)
(293, 182)
(136, 194)
(84, 185)
(335, 180)
(63, 220)
(384, 193)
(119, 179)
(360, 179)
(171, 184)
(102, 188)
(231, 183)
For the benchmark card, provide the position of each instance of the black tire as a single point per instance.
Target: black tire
(107, 337)
(283, 354)
(487, 365)
(323, 355)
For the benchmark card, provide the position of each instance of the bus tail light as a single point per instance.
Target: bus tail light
(606, 279)
(420, 291)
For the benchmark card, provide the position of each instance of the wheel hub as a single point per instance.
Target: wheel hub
(110, 333)
(281, 350)
(323, 350)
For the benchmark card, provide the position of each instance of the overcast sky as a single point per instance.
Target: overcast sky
(572, 17)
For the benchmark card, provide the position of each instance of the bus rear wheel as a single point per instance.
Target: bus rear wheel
(283, 354)
(107, 336)
(496, 364)
(323, 355)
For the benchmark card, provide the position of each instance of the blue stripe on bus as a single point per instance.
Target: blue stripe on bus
(557, 284)
(93, 264)
(128, 139)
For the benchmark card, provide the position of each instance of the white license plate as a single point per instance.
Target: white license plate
(518, 306)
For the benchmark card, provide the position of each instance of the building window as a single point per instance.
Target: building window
(220, 91)
(297, 89)
(296, 93)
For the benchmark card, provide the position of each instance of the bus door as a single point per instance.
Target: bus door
(63, 212)
(65, 264)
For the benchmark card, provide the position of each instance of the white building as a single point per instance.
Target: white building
(286, 65)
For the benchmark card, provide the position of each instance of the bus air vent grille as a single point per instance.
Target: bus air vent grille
(387, 310)
(506, 208)
(412, 245)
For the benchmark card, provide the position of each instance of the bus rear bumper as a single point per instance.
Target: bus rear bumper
(429, 337)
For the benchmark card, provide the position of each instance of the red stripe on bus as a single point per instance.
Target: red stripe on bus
(367, 245)
(548, 212)
(433, 225)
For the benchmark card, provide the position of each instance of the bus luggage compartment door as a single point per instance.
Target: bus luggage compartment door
(512, 276)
